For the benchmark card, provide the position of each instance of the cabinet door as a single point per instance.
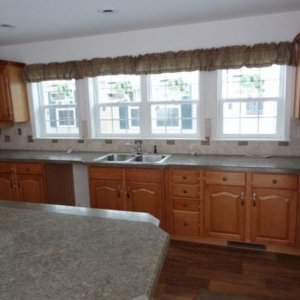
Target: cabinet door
(106, 194)
(224, 212)
(31, 188)
(144, 197)
(7, 191)
(5, 101)
(273, 216)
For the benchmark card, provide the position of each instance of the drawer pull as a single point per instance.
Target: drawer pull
(185, 205)
(184, 177)
(184, 191)
(27, 170)
(254, 199)
(185, 224)
(242, 199)
(274, 181)
(224, 178)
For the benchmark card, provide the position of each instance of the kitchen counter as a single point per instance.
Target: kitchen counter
(254, 163)
(61, 253)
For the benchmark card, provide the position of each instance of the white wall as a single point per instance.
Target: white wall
(250, 30)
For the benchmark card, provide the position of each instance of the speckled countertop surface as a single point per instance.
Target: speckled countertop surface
(62, 256)
(279, 163)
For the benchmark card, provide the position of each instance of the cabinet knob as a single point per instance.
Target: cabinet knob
(184, 177)
(185, 224)
(274, 181)
(27, 169)
(184, 191)
(224, 178)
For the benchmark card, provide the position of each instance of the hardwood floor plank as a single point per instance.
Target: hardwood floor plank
(190, 267)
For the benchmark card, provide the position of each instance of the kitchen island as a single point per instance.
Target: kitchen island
(59, 252)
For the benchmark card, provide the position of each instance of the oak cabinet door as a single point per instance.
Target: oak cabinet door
(145, 197)
(273, 216)
(31, 188)
(106, 194)
(6, 187)
(5, 102)
(224, 212)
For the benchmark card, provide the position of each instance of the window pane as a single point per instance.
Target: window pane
(119, 88)
(175, 118)
(251, 82)
(267, 126)
(58, 92)
(174, 86)
(61, 121)
(123, 119)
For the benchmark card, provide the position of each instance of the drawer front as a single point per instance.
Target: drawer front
(24, 168)
(186, 223)
(5, 167)
(280, 181)
(185, 176)
(186, 190)
(105, 173)
(186, 204)
(143, 175)
(225, 178)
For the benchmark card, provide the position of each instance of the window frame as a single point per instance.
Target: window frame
(37, 112)
(145, 113)
(283, 111)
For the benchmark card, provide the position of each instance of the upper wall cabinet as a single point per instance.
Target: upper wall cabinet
(13, 94)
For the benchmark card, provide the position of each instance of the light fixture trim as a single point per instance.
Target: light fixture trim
(7, 26)
(108, 11)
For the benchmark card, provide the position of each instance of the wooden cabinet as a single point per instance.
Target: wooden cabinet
(269, 202)
(22, 182)
(13, 94)
(224, 205)
(185, 202)
(273, 208)
(130, 189)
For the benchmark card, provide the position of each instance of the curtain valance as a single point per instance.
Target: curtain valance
(231, 57)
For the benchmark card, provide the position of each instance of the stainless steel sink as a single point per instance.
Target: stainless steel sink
(132, 158)
(115, 157)
(149, 158)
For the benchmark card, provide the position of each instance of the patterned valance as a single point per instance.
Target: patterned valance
(258, 55)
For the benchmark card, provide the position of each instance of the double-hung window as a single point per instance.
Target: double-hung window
(117, 105)
(147, 106)
(251, 103)
(56, 109)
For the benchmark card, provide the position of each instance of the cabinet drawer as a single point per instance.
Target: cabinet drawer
(186, 190)
(225, 178)
(186, 223)
(5, 167)
(185, 176)
(24, 168)
(105, 173)
(186, 204)
(280, 181)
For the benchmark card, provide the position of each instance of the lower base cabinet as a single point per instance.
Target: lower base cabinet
(129, 189)
(22, 182)
(240, 206)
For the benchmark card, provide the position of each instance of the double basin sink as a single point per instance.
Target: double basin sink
(133, 158)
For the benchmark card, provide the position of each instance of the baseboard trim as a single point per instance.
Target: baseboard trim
(244, 245)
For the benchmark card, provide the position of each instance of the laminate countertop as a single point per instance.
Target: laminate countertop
(251, 163)
(58, 252)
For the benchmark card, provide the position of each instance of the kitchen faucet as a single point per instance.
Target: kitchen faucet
(138, 148)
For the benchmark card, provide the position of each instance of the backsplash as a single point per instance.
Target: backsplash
(19, 137)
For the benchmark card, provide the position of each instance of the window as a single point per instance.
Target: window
(55, 104)
(251, 103)
(164, 105)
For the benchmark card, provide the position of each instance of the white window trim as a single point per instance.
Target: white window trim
(284, 109)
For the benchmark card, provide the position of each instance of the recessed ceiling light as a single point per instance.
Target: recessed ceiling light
(108, 11)
(7, 26)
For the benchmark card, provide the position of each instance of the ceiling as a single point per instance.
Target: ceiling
(41, 20)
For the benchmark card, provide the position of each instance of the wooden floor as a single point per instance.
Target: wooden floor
(189, 267)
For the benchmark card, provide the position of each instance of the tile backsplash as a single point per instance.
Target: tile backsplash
(19, 137)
